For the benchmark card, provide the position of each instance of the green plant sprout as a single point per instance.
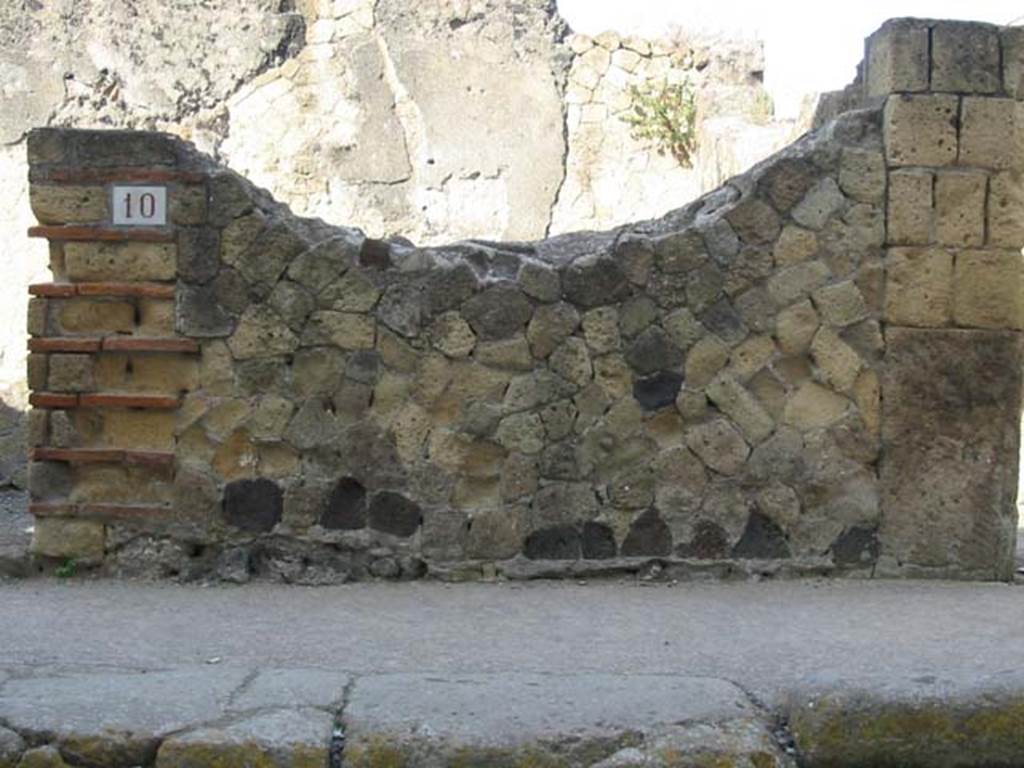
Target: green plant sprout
(666, 114)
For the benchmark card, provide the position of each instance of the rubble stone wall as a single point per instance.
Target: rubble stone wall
(814, 369)
(437, 120)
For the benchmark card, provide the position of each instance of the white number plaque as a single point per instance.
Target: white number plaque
(140, 206)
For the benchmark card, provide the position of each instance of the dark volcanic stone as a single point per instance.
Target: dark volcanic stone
(762, 539)
(199, 314)
(598, 542)
(648, 536)
(198, 254)
(499, 312)
(559, 542)
(253, 505)
(657, 391)
(652, 351)
(598, 282)
(721, 319)
(786, 182)
(346, 508)
(709, 542)
(375, 254)
(856, 546)
(393, 513)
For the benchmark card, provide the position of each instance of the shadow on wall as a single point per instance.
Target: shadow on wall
(13, 464)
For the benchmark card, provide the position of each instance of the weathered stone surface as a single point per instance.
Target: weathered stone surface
(795, 327)
(345, 510)
(898, 58)
(11, 747)
(919, 287)
(719, 446)
(394, 514)
(795, 244)
(560, 542)
(648, 536)
(254, 506)
(198, 313)
(653, 351)
(261, 332)
(657, 391)
(754, 221)
(551, 325)
(965, 58)
(452, 335)
(862, 174)
(821, 202)
(495, 534)
(921, 130)
(836, 361)
(988, 289)
(951, 401)
(707, 357)
(120, 261)
(991, 132)
(595, 282)
(79, 540)
(278, 738)
(813, 407)
(960, 208)
(740, 406)
(761, 539)
(1006, 210)
(793, 283)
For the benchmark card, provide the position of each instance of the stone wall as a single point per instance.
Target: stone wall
(347, 110)
(813, 369)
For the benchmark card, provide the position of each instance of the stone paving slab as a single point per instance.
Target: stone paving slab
(615, 675)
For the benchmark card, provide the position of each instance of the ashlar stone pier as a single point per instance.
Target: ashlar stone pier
(815, 369)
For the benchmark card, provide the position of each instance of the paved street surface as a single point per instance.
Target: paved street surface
(587, 672)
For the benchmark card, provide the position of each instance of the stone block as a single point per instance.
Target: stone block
(813, 406)
(794, 283)
(897, 58)
(919, 287)
(951, 420)
(795, 245)
(156, 373)
(156, 317)
(69, 204)
(738, 404)
(992, 133)
(95, 316)
(80, 540)
(138, 430)
(71, 373)
(37, 315)
(862, 174)
(262, 333)
(795, 327)
(965, 58)
(187, 204)
(841, 304)
(119, 484)
(198, 313)
(960, 207)
(706, 358)
(921, 129)
(1012, 39)
(36, 367)
(910, 207)
(988, 289)
(120, 261)
(838, 364)
(1006, 210)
